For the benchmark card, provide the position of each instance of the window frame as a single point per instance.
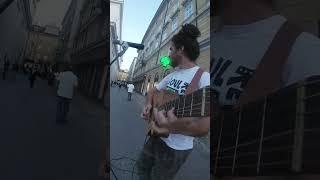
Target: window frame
(174, 25)
(165, 33)
(188, 9)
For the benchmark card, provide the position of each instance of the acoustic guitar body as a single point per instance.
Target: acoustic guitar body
(158, 99)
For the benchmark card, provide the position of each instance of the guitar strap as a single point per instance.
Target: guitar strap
(268, 75)
(193, 86)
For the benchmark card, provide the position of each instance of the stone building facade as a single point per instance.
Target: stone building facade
(15, 23)
(89, 49)
(169, 18)
(116, 16)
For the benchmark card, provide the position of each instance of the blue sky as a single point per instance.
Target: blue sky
(137, 15)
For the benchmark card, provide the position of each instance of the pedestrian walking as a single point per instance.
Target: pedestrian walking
(24, 68)
(5, 68)
(33, 77)
(120, 86)
(15, 68)
(50, 77)
(67, 82)
(130, 87)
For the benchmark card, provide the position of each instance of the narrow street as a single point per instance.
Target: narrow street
(127, 131)
(34, 147)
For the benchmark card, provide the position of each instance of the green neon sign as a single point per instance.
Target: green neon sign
(165, 62)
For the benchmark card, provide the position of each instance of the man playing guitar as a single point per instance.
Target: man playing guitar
(162, 157)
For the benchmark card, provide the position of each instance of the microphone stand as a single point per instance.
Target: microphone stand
(118, 55)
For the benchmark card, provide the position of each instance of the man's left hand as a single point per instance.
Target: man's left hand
(160, 118)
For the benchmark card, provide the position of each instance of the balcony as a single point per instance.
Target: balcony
(167, 22)
(175, 11)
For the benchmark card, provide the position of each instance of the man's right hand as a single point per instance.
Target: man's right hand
(146, 110)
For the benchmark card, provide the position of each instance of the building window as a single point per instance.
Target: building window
(175, 5)
(319, 28)
(174, 22)
(18, 6)
(151, 47)
(156, 44)
(165, 33)
(92, 8)
(188, 9)
(156, 79)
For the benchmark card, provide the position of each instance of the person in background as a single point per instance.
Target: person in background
(130, 87)
(6, 67)
(33, 77)
(50, 76)
(119, 86)
(67, 83)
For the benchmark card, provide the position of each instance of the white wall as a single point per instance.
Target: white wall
(116, 15)
(50, 12)
(114, 67)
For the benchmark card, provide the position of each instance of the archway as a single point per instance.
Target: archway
(156, 79)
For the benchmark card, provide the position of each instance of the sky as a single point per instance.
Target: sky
(51, 12)
(137, 15)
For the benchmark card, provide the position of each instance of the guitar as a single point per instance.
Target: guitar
(195, 104)
(274, 135)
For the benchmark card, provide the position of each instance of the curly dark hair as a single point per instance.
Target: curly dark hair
(187, 38)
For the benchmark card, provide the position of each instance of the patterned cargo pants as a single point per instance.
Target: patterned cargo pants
(157, 161)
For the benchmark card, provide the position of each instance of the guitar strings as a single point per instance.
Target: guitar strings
(170, 103)
(182, 99)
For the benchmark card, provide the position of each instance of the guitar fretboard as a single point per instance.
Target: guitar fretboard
(196, 104)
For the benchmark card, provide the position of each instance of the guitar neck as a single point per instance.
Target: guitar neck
(196, 104)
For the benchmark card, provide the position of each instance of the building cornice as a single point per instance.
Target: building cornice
(28, 15)
(117, 1)
(168, 38)
(71, 7)
(158, 12)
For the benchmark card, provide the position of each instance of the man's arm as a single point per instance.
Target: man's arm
(148, 104)
(191, 126)
(150, 94)
(195, 127)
